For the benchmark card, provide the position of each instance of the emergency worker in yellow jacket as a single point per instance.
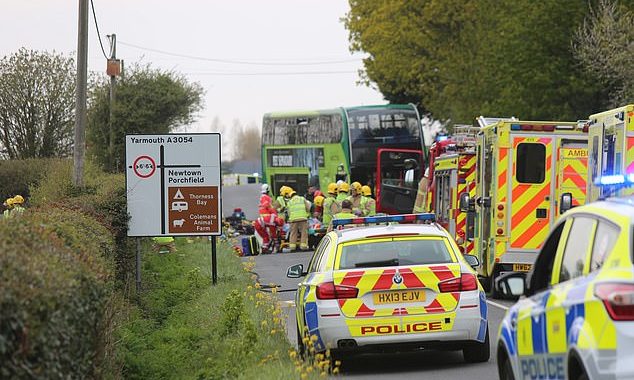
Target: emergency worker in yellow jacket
(298, 213)
(369, 204)
(343, 190)
(345, 213)
(280, 202)
(331, 207)
(356, 199)
(420, 204)
(8, 204)
(18, 205)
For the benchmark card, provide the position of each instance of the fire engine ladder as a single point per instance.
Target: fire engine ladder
(465, 136)
(484, 121)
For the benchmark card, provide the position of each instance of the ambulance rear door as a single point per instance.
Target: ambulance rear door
(531, 197)
(572, 170)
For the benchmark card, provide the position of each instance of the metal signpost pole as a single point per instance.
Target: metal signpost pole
(138, 265)
(214, 266)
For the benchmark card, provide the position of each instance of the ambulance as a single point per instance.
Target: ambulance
(611, 148)
(452, 172)
(522, 170)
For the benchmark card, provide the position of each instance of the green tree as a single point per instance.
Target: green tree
(458, 59)
(37, 104)
(147, 100)
(603, 45)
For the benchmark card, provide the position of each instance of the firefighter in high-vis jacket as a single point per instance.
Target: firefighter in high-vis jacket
(298, 213)
(369, 204)
(330, 204)
(356, 199)
(280, 202)
(343, 190)
(420, 205)
(345, 213)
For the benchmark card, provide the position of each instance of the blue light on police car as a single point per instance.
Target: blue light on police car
(611, 180)
(385, 219)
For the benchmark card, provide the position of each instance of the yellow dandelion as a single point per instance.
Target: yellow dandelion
(313, 338)
(335, 370)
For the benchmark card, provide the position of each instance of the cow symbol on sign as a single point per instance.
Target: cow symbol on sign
(178, 222)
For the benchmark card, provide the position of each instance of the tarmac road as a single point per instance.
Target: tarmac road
(415, 365)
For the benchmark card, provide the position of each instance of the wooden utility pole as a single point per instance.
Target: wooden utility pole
(80, 105)
(113, 69)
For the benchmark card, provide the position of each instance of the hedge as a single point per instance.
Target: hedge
(103, 198)
(19, 176)
(56, 309)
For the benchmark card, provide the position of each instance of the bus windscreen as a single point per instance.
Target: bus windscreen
(383, 125)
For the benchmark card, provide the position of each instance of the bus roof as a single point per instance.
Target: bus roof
(392, 106)
(300, 113)
(333, 111)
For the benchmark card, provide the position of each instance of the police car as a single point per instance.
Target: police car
(576, 320)
(391, 287)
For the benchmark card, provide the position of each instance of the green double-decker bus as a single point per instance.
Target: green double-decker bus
(379, 145)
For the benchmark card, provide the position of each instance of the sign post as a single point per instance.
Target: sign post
(174, 186)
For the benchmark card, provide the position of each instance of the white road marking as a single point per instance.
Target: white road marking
(287, 303)
(497, 305)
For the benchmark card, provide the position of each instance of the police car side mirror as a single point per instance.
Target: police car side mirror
(295, 271)
(472, 261)
(565, 203)
(465, 199)
(511, 285)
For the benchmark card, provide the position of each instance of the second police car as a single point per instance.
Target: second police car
(399, 286)
(576, 320)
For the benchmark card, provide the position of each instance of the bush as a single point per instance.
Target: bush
(56, 307)
(103, 197)
(19, 176)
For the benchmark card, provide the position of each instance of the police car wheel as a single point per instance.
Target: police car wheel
(477, 352)
(506, 370)
(494, 293)
(301, 348)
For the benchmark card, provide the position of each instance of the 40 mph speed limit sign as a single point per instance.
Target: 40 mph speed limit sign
(173, 184)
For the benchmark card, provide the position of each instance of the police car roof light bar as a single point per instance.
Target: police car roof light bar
(428, 217)
(615, 180)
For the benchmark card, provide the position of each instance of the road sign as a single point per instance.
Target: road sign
(173, 184)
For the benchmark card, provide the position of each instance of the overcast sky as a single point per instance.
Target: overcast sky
(286, 37)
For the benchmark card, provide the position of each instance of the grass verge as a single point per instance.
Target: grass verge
(184, 328)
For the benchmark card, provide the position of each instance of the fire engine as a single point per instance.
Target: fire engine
(522, 170)
(611, 148)
(452, 172)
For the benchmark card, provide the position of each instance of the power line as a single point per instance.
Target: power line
(237, 62)
(272, 73)
(94, 15)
